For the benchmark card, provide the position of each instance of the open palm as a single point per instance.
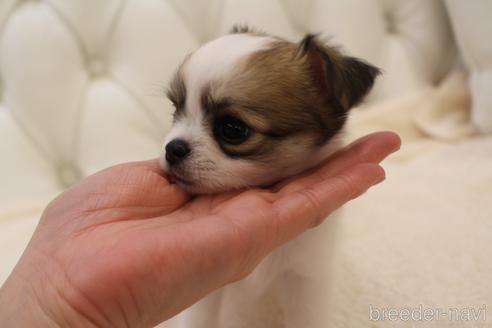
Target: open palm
(125, 247)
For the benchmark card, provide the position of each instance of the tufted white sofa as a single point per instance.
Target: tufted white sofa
(82, 81)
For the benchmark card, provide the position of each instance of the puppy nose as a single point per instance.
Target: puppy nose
(176, 151)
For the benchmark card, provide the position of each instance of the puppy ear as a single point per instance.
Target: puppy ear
(240, 28)
(244, 28)
(345, 80)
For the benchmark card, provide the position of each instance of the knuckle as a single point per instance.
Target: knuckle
(242, 249)
(313, 205)
(347, 185)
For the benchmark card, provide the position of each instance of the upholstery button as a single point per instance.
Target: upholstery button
(390, 23)
(96, 66)
(68, 174)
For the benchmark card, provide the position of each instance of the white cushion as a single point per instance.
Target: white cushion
(473, 27)
(25, 173)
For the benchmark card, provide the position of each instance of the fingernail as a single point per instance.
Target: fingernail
(398, 145)
(379, 180)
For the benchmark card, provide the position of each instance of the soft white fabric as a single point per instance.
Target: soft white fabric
(421, 238)
(473, 28)
(82, 88)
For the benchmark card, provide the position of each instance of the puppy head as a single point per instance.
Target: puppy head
(252, 109)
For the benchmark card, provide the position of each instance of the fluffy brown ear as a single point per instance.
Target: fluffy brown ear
(345, 80)
(244, 28)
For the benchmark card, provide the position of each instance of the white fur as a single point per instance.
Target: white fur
(285, 291)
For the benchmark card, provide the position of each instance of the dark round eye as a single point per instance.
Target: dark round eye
(231, 130)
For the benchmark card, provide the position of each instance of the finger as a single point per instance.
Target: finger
(307, 207)
(140, 185)
(375, 147)
(372, 148)
(151, 164)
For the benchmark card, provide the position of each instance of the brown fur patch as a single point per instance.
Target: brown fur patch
(348, 79)
(291, 93)
(272, 91)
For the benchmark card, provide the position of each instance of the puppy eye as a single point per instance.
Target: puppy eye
(231, 130)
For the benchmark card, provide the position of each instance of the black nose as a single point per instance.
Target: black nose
(176, 151)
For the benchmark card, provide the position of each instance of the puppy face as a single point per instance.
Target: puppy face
(252, 109)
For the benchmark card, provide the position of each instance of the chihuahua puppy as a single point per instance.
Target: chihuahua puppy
(251, 109)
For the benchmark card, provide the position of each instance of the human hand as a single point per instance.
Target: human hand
(125, 247)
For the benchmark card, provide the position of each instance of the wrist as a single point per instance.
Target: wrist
(23, 304)
(19, 306)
